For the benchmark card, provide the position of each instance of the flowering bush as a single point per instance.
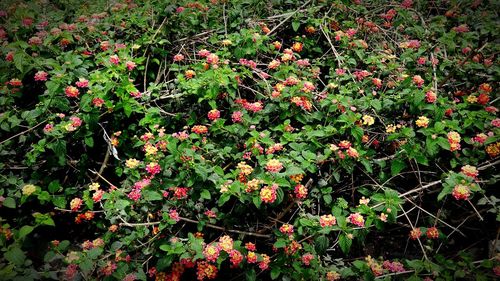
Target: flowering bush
(231, 140)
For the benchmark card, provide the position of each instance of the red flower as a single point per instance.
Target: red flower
(432, 233)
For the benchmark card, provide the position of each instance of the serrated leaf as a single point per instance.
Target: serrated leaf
(321, 244)
(15, 256)
(345, 243)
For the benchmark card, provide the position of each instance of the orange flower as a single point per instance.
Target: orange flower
(199, 129)
(189, 74)
(297, 47)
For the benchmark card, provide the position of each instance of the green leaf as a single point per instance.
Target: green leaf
(223, 199)
(150, 195)
(54, 186)
(205, 194)
(256, 201)
(280, 243)
(25, 230)
(15, 255)
(89, 141)
(295, 25)
(345, 243)
(251, 275)
(275, 273)
(321, 244)
(397, 165)
(9, 202)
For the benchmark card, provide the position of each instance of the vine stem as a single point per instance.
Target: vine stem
(125, 223)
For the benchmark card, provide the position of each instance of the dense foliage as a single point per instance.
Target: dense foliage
(246, 139)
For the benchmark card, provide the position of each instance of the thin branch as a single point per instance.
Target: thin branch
(418, 238)
(287, 18)
(24, 132)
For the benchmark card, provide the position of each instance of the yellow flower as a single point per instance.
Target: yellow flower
(368, 120)
(391, 128)
(226, 42)
(132, 163)
(94, 186)
(422, 121)
(472, 99)
(245, 168)
(29, 189)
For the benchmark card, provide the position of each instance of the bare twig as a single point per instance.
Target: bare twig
(418, 238)
(24, 132)
(125, 223)
(287, 18)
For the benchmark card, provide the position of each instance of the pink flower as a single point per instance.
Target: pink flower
(421, 60)
(327, 220)
(48, 128)
(180, 9)
(27, 21)
(213, 115)
(142, 184)
(97, 102)
(135, 194)
(114, 59)
(130, 65)
(97, 195)
(274, 166)
(41, 76)
(300, 191)
(306, 258)
(153, 168)
(461, 28)
(178, 57)
(417, 80)
(496, 122)
(203, 53)
(174, 215)
(340, 71)
(75, 121)
(286, 229)
(406, 4)
(356, 219)
(268, 193)
(237, 117)
(430, 96)
(82, 83)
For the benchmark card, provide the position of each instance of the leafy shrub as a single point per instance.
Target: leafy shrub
(283, 140)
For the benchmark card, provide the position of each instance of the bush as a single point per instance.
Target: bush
(231, 140)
